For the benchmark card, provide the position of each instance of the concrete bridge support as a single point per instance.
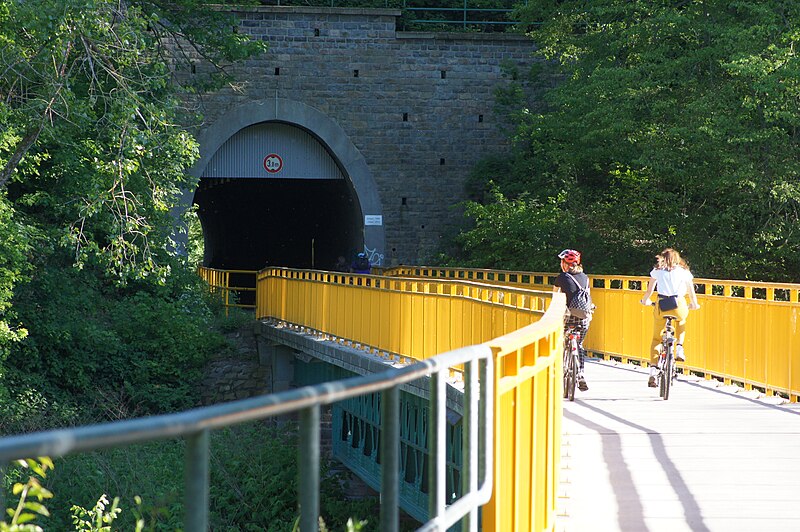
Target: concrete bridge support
(354, 430)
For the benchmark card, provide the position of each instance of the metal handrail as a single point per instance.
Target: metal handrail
(722, 344)
(318, 304)
(523, 332)
(497, 14)
(219, 280)
(195, 425)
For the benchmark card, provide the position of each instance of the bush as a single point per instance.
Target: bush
(113, 350)
(253, 485)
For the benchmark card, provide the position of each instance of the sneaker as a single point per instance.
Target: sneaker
(679, 356)
(582, 386)
(651, 382)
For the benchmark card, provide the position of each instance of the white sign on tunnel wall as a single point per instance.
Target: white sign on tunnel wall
(273, 163)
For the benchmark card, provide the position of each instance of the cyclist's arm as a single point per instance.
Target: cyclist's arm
(693, 304)
(651, 287)
(556, 287)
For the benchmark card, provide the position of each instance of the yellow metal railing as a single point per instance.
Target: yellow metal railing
(527, 424)
(745, 332)
(418, 318)
(535, 280)
(415, 318)
(232, 296)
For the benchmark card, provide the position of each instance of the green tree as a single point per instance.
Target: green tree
(15, 244)
(671, 124)
(514, 233)
(95, 147)
(93, 126)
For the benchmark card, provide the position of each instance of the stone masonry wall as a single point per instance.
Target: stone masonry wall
(418, 106)
(237, 375)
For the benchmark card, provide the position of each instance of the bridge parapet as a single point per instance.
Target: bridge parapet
(403, 317)
(523, 329)
(744, 333)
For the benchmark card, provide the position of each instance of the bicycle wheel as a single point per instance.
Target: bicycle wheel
(667, 380)
(571, 373)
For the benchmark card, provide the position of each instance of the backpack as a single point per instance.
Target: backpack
(581, 304)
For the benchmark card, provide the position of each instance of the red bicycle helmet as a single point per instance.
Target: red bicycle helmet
(570, 256)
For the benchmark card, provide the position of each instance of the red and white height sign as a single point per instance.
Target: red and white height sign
(273, 163)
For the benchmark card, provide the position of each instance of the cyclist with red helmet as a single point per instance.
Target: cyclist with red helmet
(571, 281)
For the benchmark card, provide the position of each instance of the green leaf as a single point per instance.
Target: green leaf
(25, 518)
(36, 507)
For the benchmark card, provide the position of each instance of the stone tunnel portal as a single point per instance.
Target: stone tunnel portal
(272, 195)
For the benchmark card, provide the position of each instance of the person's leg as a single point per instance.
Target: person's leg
(682, 312)
(583, 327)
(655, 342)
(567, 320)
(655, 345)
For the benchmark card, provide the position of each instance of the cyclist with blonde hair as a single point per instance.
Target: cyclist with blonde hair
(672, 281)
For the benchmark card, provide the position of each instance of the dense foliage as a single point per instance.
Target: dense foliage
(652, 124)
(253, 477)
(102, 316)
(93, 144)
(97, 306)
(99, 351)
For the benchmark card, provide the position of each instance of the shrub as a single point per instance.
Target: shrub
(114, 350)
(253, 486)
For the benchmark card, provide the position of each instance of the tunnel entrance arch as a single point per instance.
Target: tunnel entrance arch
(273, 195)
(281, 184)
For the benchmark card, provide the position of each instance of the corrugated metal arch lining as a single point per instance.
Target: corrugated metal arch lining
(272, 150)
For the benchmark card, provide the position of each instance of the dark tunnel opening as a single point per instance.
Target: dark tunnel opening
(249, 224)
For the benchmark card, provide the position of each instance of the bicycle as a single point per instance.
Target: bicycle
(666, 361)
(572, 338)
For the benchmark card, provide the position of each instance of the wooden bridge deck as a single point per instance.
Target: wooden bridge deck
(708, 459)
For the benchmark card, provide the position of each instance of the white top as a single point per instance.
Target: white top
(675, 282)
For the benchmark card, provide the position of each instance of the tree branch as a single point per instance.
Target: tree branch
(19, 153)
